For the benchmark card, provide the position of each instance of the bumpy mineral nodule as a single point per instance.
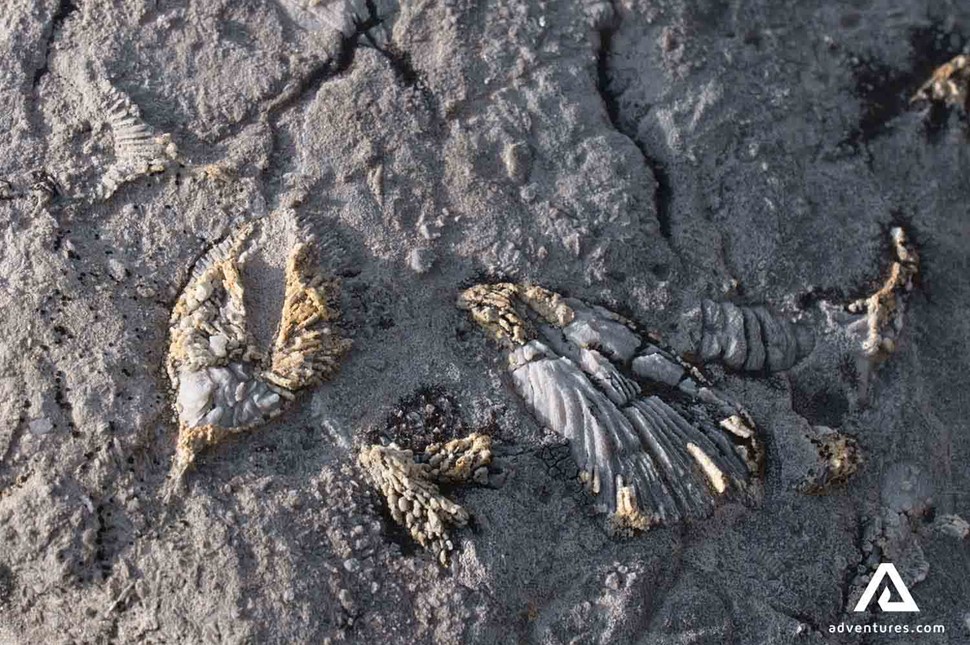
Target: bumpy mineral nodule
(410, 486)
(839, 457)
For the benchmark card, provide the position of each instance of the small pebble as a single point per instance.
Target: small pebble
(347, 601)
(117, 270)
(613, 580)
(517, 158)
(953, 526)
(351, 564)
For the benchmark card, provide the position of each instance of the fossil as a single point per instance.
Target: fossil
(654, 443)
(138, 150)
(410, 485)
(883, 311)
(949, 84)
(345, 16)
(224, 384)
(751, 339)
(875, 322)
(839, 458)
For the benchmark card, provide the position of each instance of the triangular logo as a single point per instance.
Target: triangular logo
(906, 602)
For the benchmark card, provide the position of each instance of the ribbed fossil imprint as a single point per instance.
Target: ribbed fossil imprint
(224, 384)
(751, 339)
(654, 442)
(138, 149)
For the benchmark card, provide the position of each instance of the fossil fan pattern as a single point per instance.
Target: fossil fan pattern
(409, 485)
(138, 149)
(224, 384)
(751, 339)
(654, 442)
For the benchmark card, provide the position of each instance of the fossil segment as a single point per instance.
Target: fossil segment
(493, 307)
(870, 327)
(751, 339)
(654, 442)
(896, 532)
(307, 348)
(460, 460)
(410, 486)
(213, 363)
(881, 314)
(138, 150)
(345, 16)
(949, 84)
(839, 458)
(209, 318)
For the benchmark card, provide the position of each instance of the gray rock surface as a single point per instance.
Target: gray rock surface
(643, 156)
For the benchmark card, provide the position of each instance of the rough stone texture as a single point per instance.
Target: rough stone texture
(644, 157)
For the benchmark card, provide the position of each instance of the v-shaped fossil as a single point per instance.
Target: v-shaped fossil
(223, 383)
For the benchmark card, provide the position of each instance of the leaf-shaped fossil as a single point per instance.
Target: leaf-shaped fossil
(949, 84)
(138, 149)
(654, 442)
(751, 339)
(410, 485)
(223, 383)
